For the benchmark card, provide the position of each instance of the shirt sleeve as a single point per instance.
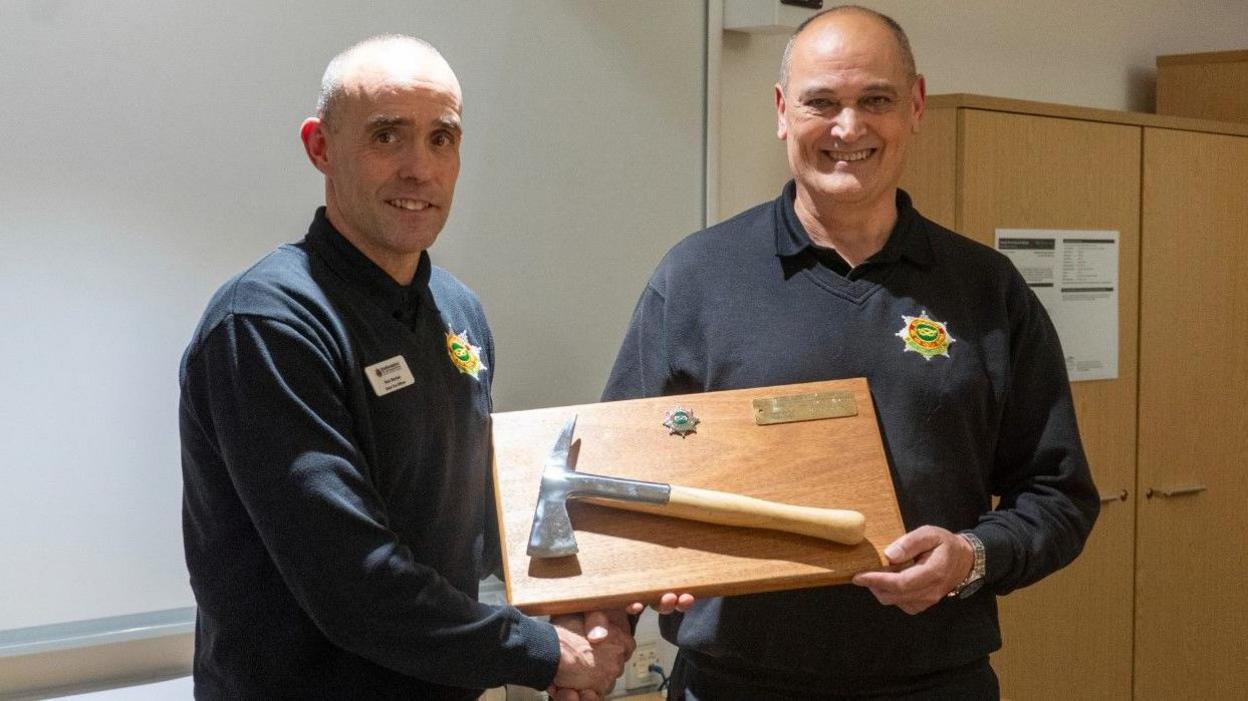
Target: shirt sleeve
(1048, 502)
(275, 401)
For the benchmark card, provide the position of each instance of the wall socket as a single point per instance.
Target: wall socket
(637, 672)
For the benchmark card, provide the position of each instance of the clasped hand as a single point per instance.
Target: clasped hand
(594, 647)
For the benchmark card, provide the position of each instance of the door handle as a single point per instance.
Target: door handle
(1120, 495)
(1181, 491)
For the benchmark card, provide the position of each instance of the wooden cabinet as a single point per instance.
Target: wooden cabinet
(1209, 86)
(1017, 171)
(980, 164)
(1191, 620)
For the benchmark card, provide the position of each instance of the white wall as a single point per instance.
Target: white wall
(151, 150)
(1094, 54)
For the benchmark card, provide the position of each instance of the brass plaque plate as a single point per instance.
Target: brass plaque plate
(804, 407)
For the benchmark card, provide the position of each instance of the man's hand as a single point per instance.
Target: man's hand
(668, 603)
(596, 643)
(941, 560)
(593, 648)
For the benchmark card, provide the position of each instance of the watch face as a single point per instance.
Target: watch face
(971, 587)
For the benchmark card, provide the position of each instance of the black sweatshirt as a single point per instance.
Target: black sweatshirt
(970, 386)
(336, 525)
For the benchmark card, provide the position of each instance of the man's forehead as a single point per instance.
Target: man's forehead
(384, 95)
(388, 69)
(383, 86)
(849, 40)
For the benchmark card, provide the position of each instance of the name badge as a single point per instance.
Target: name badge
(389, 375)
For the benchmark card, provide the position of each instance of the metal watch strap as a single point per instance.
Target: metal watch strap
(974, 579)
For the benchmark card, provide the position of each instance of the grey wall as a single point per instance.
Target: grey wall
(151, 150)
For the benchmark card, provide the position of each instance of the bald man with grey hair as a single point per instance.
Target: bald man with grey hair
(966, 372)
(337, 504)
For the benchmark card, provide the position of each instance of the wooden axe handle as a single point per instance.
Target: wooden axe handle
(709, 506)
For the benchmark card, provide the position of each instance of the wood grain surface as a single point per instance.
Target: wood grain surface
(1190, 618)
(626, 556)
(1204, 86)
(1084, 114)
(1043, 172)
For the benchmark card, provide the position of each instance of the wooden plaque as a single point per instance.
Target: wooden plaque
(625, 557)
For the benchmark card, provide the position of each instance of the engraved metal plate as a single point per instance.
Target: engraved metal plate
(804, 407)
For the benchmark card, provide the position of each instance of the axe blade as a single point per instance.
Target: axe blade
(552, 534)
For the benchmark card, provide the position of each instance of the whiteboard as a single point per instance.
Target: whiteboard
(151, 151)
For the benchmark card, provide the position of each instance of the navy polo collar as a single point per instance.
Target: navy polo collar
(907, 240)
(362, 273)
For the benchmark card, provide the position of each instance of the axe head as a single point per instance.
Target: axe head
(552, 534)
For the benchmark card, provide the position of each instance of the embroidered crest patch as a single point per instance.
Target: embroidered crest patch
(465, 356)
(925, 336)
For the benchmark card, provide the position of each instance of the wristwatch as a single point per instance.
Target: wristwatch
(975, 578)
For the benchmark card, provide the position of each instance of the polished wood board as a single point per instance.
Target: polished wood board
(625, 556)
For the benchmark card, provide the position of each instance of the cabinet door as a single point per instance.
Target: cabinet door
(1069, 636)
(931, 174)
(1191, 626)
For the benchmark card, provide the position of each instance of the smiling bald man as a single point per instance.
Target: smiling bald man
(338, 511)
(965, 369)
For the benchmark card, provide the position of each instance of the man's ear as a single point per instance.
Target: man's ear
(782, 129)
(314, 143)
(918, 99)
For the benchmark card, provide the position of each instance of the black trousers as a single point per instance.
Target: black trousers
(973, 682)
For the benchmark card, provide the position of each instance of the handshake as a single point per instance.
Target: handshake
(594, 646)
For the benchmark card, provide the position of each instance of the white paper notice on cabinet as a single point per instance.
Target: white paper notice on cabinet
(1075, 275)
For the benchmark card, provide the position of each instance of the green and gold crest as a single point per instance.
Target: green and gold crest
(465, 356)
(925, 336)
